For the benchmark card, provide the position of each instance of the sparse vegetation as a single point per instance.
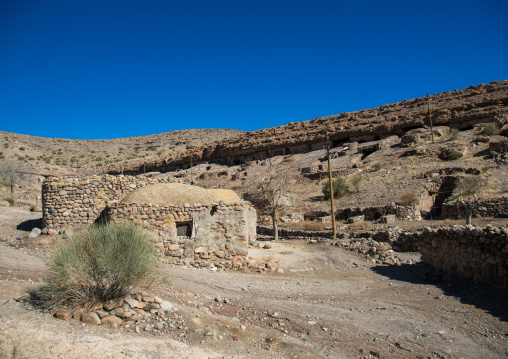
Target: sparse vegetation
(408, 199)
(454, 134)
(357, 182)
(491, 129)
(378, 166)
(10, 200)
(454, 155)
(340, 188)
(470, 187)
(98, 264)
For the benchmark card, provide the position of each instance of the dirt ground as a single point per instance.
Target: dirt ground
(318, 302)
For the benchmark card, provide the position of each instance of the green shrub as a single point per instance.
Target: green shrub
(98, 264)
(491, 128)
(454, 154)
(378, 166)
(11, 200)
(22, 148)
(454, 134)
(340, 188)
(357, 182)
(485, 169)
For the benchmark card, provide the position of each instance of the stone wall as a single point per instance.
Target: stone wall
(71, 201)
(468, 252)
(373, 213)
(219, 233)
(497, 207)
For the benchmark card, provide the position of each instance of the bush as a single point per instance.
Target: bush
(11, 200)
(378, 166)
(340, 188)
(454, 154)
(98, 264)
(454, 134)
(357, 182)
(408, 199)
(491, 128)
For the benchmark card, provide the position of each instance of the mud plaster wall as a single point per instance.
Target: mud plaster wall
(71, 201)
(221, 233)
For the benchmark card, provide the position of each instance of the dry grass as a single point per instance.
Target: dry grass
(177, 193)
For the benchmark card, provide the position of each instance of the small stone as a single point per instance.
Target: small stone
(76, 314)
(90, 318)
(235, 338)
(166, 306)
(113, 304)
(157, 300)
(102, 313)
(63, 314)
(133, 303)
(148, 299)
(111, 319)
(148, 328)
(36, 232)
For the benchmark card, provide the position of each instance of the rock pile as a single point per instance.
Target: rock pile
(138, 311)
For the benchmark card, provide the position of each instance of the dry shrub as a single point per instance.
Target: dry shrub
(408, 199)
(98, 264)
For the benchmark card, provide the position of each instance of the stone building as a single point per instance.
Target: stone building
(191, 225)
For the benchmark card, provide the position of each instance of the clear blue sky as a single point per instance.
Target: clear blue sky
(107, 69)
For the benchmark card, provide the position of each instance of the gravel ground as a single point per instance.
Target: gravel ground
(319, 301)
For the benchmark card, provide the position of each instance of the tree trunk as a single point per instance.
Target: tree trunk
(275, 225)
(469, 215)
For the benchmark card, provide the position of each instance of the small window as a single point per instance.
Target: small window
(184, 229)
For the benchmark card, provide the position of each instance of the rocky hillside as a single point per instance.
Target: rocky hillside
(67, 156)
(482, 103)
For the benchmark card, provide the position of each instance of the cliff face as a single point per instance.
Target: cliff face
(483, 103)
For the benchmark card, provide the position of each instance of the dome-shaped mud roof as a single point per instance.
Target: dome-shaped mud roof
(177, 193)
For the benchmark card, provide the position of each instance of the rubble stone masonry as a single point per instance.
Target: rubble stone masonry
(71, 201)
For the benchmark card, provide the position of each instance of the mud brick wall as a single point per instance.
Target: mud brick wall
(497, 207)
(468, 252)
(71, 201)
(220, 233)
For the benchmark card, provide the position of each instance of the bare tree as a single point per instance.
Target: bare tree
(274, 190)
(12, 173)
(470, 187)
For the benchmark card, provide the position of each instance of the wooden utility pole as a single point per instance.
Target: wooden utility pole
(430, 118)
(191, 182)
(332, 205)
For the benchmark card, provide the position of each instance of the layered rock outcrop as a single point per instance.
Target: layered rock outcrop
(483, 103)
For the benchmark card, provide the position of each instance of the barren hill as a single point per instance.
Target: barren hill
(68, 156)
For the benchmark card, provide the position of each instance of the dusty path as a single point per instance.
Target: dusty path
(319, 301)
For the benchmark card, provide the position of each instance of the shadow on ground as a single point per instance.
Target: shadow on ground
(483, 296)
(29, 225)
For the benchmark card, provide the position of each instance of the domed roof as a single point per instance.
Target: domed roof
(177, 193)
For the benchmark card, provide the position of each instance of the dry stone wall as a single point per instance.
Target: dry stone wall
(497, 207)
(219, 233)
(468, 252)
(71, 201)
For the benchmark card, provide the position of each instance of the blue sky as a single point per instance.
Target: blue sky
(108, 69)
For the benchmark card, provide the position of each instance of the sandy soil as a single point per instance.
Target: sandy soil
(319, 301)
